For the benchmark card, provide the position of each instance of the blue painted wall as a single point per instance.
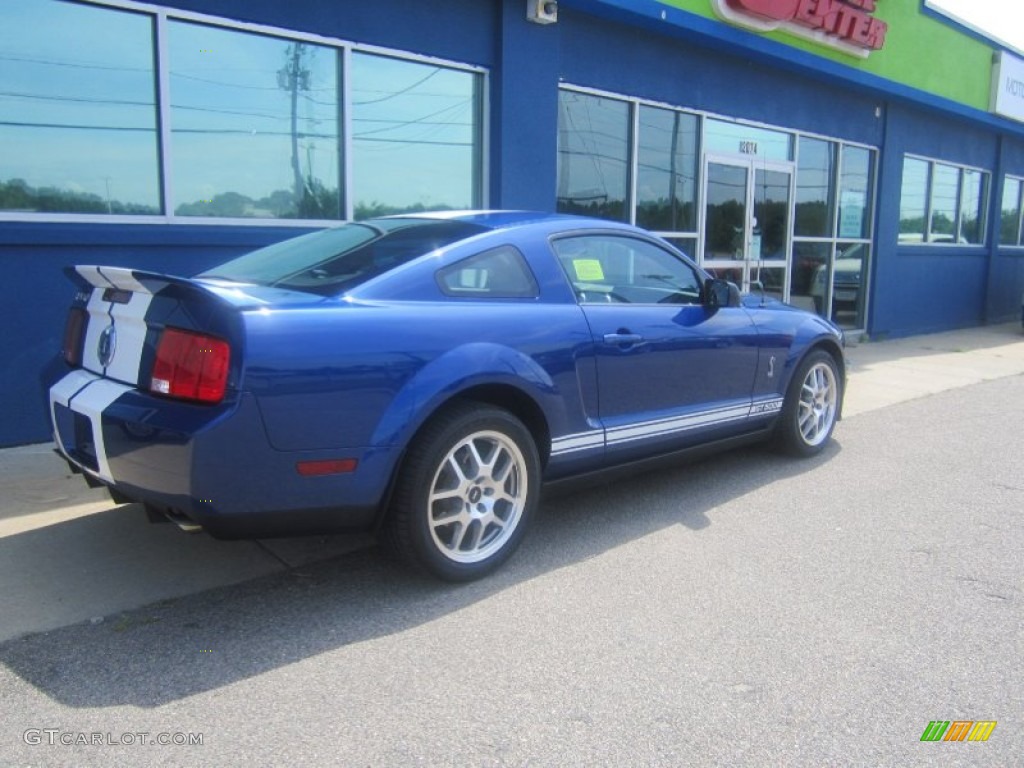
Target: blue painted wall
(1006, 277)
(921, 288)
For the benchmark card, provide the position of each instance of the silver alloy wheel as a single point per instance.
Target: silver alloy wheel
(477, 497)
(816, 410)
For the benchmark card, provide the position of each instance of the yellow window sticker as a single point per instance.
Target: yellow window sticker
(588, 270)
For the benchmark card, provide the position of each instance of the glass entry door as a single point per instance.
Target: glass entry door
(747, 228)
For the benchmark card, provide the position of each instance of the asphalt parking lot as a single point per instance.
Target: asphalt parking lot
(750, 610)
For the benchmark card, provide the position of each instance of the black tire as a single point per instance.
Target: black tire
(465, 493)
(811, 407)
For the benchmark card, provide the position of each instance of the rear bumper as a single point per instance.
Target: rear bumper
(211, 464)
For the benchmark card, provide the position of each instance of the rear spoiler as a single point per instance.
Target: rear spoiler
(238, 295)
(140, 281)
(123, 279)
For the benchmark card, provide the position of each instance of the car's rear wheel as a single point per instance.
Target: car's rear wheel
(466, 492)
(811, 407)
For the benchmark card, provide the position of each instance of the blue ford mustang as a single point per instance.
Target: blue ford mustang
(423, 376)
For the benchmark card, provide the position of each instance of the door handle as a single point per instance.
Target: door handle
(623, 338)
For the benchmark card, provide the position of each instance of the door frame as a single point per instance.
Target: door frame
(752, 164)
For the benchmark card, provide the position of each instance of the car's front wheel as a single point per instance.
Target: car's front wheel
(811, 407)
(465, 493)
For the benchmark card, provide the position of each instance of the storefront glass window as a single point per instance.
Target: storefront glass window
(913, 200)
(687, 245)
(945, 202)
(593, 155)
(814, 188)
(78, 125)
(850, 284)
(254, 121)
(667, 170)
(972, 208)
(723, 137)
(1010, 215)
(855, 189)
(236, 97)
(953, 199)
(808, 277)
(416, 137)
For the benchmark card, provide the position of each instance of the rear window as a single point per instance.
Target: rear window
(332, 261)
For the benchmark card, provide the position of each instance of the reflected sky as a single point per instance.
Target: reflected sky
(593, 147)
(414, 134)
(250, 115)
(77, 100)
(255, 121)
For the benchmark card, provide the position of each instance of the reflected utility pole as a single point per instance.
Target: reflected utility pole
(293, 77)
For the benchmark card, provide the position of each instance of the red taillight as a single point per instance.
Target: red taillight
(74, 334)
(191, 366)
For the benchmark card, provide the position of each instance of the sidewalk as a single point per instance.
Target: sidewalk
(67, 554)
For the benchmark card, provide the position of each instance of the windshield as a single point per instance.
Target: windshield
(332, 261)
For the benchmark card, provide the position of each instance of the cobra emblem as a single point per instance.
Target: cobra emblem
(107, 345)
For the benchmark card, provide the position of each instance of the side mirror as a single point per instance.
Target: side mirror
(720, 293)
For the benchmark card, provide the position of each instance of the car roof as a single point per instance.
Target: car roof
(500, 219)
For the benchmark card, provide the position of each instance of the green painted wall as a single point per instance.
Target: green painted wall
(919, 51)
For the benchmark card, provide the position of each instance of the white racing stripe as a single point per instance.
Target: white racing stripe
(115, 277)
(97, 309)
(130, 325)
(581, 441)
(89, 395)
(626, 433)
(662, 427)
(129, 321)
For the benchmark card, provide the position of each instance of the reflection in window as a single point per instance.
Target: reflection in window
(1010, 214)
(913, 200)
(855, 186)
(77, 110)
(952, 199)
(416, 142)
(814, 188)
(726, 212)
(254, 125)
(945, 202)
(771, 212)
(972, 207)
(687, 245)
(667, 171)
(730, 138)
(593, 155)
(808, 279)
(849, 284)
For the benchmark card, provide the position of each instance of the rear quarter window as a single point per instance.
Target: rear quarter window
(499, 273)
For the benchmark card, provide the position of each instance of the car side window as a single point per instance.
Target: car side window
(607, 269)
(500, 273)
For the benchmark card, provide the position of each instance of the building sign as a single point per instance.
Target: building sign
(846, 25)
(1008, 86)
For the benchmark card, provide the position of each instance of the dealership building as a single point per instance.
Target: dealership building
(863, 159)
